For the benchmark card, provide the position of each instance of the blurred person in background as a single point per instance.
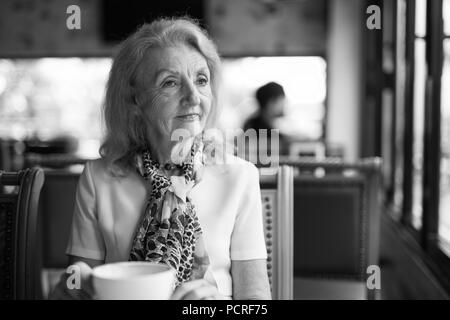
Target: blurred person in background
(271, 102)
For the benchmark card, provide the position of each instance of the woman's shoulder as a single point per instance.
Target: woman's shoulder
(96, 167)
(100, 171)
(236, 168)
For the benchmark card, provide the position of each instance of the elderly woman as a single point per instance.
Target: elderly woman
(139, 202)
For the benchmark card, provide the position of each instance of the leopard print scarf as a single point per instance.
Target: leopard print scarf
(170, 232)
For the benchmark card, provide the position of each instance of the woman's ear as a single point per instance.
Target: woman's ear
(136, 105)
(135, 100)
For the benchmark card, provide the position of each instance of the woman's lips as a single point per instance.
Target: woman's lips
(189, 117)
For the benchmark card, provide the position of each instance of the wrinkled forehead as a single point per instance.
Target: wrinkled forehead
(179, 58)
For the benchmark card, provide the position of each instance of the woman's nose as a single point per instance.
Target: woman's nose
(191, 96)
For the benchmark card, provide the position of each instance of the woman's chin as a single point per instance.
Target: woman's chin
(194, 127)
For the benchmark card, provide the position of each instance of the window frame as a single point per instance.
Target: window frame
(428, 236)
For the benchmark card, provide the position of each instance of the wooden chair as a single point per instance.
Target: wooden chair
(55, 212)
(18, 234)
(5, 155)
(337, 216)
(277, 202)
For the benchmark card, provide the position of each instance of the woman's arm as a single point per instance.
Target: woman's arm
(90, 262)
(250, 280)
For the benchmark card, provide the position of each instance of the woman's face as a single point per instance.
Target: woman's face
(175, 90)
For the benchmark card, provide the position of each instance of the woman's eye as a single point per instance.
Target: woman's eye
(202, 81)
(169, 83)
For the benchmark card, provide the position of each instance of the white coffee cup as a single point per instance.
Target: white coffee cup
(133, 280)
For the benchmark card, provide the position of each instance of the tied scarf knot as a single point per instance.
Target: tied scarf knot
(170, 231)
(180, 187)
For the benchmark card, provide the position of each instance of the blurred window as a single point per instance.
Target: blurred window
(444, 204)
(421, 18)
(420, 74)
(304, 82)
(52, 97)
(446, 16)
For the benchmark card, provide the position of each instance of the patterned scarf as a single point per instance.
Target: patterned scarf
(170, 232)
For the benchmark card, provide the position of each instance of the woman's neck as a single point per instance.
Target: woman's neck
(160, 148)
(161, 152)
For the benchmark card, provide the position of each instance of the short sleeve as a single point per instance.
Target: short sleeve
(247, 239)
(86, 239)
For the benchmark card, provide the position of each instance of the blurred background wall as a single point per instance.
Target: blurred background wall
(345, 75)
(324, 115)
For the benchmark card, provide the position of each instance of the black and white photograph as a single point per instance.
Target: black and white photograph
(193, 150)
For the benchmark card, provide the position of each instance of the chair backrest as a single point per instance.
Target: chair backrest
(56, 210)
(18, 234)
(277, 204)
(336, 221)
(5, 156)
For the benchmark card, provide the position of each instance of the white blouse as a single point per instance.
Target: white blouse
(228, 201)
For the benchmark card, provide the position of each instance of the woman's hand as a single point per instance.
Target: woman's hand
(196, 290)
(85, 291)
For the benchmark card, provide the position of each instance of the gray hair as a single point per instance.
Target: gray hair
(126, 134)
